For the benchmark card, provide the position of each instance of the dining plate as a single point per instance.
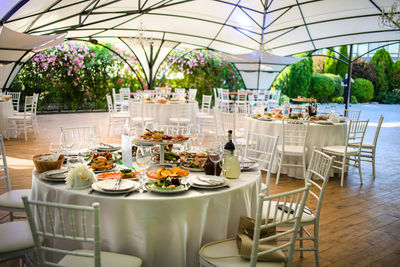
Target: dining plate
(108, 170)
(153, 188)
(192, 169)
(112, 185)
(58, 175)
(115, 176)
(324, 122)
(95, 187)
(108, 147)
(205, 181)
(248, 166)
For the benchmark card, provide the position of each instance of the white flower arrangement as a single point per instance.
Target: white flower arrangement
(80, 177)
(258, 111)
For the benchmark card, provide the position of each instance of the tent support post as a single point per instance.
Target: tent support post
(348, 87)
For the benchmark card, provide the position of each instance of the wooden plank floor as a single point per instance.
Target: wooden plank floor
(360, 224)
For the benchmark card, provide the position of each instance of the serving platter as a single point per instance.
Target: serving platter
(156, 189)
(47, 175)
(201, 181)
(95, 187)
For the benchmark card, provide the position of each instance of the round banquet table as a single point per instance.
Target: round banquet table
(163, 112)
(162, 229)
(319, 135)
(6, 110)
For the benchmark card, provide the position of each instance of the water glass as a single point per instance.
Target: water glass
(72, 161)
(55, 150)
(143, 159)
(67, 141)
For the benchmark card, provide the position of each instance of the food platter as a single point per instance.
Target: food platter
(113, 176)
(162, 171)
(151, 186)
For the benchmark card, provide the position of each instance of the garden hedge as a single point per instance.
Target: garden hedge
(363, 90)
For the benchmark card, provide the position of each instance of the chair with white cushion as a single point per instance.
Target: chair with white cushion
(192, 94)
(137, 119)
(261, 148)
(351, 150)
(204, 116)
(182, 114)
(113, 116)
(318, 169)
(368, 150)
(16, 242)
(353, 115)
(225, 252)
(24, 121)
(15, 97)
(76, 224)
(294, 136)
(10, 201)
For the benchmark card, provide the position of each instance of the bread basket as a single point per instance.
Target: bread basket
(42, 166)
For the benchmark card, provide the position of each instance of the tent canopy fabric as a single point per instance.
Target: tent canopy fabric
(230, 26)
(17, 48)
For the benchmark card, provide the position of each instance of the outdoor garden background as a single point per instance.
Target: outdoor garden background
(78, 75)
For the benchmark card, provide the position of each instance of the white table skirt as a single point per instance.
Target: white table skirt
(163, 112)
(163, 230)
(6, 110)
(318, 136)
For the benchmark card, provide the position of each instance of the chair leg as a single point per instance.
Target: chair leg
(26, 136)
(316, 245)
(359, 167)
(373, 164)
(279, 168)
(343, 168)
(301, 233)
(304, 166)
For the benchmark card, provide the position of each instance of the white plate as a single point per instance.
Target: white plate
(44, 176)
(207, 180)
(247, 166)
(264, 119)
(324, 122)
(204, 185)
(98, 189)
(115, 147)
(153, 188)
(191, 169)
(110, 185)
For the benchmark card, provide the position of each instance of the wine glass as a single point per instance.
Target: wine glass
(200, 138)
(67, 141)
(215, 155)
(143, 159)
(72, 161)
(55, 150)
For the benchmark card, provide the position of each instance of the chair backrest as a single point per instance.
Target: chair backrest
(35, 102)
(261, 148)
(242, 95)
(63, 222)
(192, 94)
(82, 136)
(180, 91)
(378, 129)
(275, 96)
(136, 109)
(352, 115)
(3, 166)
(294, 133)
(355, 133)
(206, 103)
(15, 97)
(174, 129)
(29, 106)
(318, 168)
(118, 102)
(224, 94)
(109, 104)
(293, 202)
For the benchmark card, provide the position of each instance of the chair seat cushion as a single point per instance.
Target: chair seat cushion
(306, 218)
(229, 248)
(15, 236)
(291, 150)
(12, 199)
(107, 259)
(340, 150)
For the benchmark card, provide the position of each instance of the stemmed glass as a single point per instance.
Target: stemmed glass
(67, 141)
(55, 150)
(200, 138)
(215, 155)
(143, 159)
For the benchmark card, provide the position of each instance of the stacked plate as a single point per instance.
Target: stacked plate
(207, 181)
(115, 186)
(103, 147)
(247, 164)
(57, 175)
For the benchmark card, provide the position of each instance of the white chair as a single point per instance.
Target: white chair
(74, 224)
(137, 119)
(24, 121)
(261, 148)
(204, 117)
(182, 114)
(114, 117)
(351, 150)
(118, 103)
(351, 115)
(216, 98)
(318, 169)
(10, 201)
(125, 97)
(225, 252)
(273, 100)
(15, 97)
(225, 102)
(180, 91)
(174, 129)
(192, 94)
(82, 136)
(294, 136)
(368, 150)
(16, 242)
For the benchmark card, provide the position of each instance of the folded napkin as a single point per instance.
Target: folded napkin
(207, 181)
(45, 158)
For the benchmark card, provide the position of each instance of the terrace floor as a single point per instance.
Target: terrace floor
(360, 224)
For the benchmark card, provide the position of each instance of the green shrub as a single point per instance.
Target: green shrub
(322, 87)
(353, 100)
(341, 67)
(299, 78)
(396, 75)
(364, 69)
(330, 63)
(339, 90)
(384, 66)
(363, 90)
(392, 97)
(283, 98)
(338, 99)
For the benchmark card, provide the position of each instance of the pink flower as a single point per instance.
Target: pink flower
(119, 80)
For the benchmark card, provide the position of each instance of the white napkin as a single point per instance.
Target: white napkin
(207, 180)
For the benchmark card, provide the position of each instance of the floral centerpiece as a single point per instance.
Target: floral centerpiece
(80, 177)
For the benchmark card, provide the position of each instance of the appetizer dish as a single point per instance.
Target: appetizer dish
(168, 182)
(169, 157)
(162, 172)
(107, 155)
(189, 155)
(195, 163)
(101, 164)
(159, 136)
(296, 116)
(162, 101)
(319, 118)
(127, 174)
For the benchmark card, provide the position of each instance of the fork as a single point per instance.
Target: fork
(117, 184)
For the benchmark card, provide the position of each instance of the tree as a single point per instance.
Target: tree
(365, 70)
(384, 67)
(342, 68)
(330, 63)
(322, 87)
(363, 90)
(299, 78)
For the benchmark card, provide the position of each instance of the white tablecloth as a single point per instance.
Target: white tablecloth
(163, 230)
(318, 136)
(163, 112)
(6, 110)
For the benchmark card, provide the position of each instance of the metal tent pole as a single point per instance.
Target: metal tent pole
(348, 87)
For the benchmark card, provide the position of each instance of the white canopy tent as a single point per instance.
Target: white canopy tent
(231, 26)
(17, 48)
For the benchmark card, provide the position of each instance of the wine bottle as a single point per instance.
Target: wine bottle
(231, 166)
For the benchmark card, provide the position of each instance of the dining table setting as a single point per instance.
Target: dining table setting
(151, 200)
